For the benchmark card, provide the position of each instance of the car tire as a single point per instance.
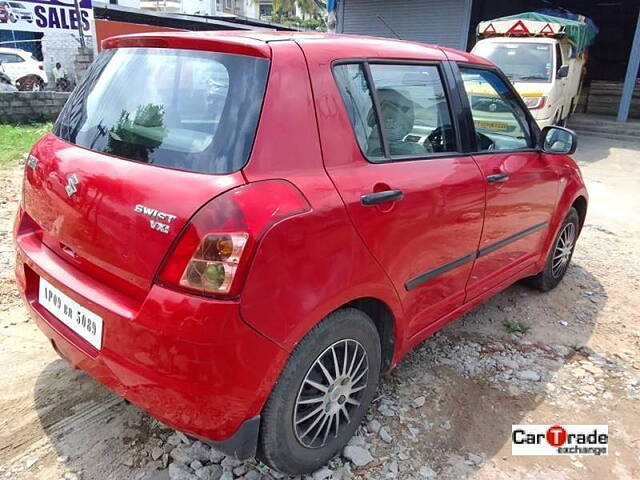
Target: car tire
(560, 255)
(295, 440)
(559, 121)
(30, 83)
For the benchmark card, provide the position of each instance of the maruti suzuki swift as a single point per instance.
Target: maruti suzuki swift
(239, 232)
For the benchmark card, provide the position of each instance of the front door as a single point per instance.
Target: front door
(416, 202)
(13, 65)
(521, 186)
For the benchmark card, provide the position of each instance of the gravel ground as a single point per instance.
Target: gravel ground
(445, 412)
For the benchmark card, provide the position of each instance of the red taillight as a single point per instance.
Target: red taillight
(212, 253)
(213, 266)
(534, 103)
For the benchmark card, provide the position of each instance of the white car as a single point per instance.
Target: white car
(17, 11)
(25, 72)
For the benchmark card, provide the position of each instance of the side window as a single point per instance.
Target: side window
(500, 122)
(559, 61)
(414, 110)
(354, 88)
(10, 58)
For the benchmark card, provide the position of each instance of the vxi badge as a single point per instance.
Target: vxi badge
(559, 439)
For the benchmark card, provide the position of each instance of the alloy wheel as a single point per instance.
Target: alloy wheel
(330, 392)
(563, 250)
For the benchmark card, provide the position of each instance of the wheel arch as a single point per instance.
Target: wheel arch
(574, 195)
(385, 324)
(580, 204)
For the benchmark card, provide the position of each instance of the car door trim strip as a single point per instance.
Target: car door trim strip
(426, 276)
(431, 274)
(506, 241)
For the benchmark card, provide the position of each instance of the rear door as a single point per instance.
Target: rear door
(521, 185)
(392, 150)
(150, 136)
(13, 65)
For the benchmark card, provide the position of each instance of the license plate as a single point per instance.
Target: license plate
(501, 126)
(82, 321)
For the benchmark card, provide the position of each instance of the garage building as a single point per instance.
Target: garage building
(613, 59)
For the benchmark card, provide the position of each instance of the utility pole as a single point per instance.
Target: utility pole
(630, 78)
(76, 3)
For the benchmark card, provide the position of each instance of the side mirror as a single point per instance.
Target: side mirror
(563, 71)
(557, 140)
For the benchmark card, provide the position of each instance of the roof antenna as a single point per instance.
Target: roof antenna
(387, 25)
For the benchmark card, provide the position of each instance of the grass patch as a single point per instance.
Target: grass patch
(16, 140)
(513, 326)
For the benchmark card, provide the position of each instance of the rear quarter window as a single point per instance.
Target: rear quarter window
(182, 109)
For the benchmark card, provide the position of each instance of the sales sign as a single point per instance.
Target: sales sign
(45, 15)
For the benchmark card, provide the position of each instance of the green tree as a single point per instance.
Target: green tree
(286, 9)
(138, 137)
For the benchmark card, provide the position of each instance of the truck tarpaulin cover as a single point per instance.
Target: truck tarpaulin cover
(579, 33)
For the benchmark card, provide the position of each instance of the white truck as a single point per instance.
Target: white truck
(544, 64)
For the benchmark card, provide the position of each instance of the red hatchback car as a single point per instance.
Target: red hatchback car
(239, 232)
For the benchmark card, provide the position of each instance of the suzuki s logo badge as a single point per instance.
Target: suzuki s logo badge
(493, 107)
(72, 184)
(32, 162)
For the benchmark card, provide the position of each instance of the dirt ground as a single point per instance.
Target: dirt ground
(445, 412)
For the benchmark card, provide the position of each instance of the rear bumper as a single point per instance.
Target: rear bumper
(189, 361)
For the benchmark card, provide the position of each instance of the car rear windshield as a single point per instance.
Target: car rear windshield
(182, 109)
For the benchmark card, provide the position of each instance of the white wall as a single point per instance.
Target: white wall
(251, 8)
(129, 3)
(61, 46)
(197, 6)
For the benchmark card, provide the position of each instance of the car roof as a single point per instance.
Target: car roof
(259, 43)
(15, 51)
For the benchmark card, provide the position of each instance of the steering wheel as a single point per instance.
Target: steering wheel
(484, 143)
(438, 137)
(427, 145)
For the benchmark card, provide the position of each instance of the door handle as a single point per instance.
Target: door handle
(381, 197)
(497, 178)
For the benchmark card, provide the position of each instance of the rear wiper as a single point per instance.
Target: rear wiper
(101, 131)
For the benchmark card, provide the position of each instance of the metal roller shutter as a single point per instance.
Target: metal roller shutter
(444, 23)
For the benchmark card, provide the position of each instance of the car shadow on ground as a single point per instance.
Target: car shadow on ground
(592, 149)
(465, 372)
(93, 430)
(468, 374)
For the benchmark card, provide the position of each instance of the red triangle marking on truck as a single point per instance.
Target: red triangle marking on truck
(518, 27)
(489, 29)
(547, 29)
